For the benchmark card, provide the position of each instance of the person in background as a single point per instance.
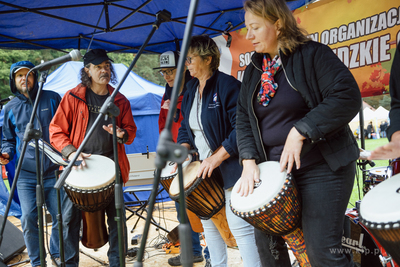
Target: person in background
(294, 107)
(76, 114)
(208, 125)
(17, 114)
(168, 65)
(392, 149)
(370, 130)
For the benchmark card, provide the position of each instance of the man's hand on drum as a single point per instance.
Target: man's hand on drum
(209, 164)
(250, 175)
(109, 129)
(4, 158)
(81, 157)
(389, 151)
(291, 151)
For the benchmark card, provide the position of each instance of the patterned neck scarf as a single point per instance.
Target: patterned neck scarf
(268, 85)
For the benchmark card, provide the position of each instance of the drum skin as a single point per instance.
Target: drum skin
(274, 207)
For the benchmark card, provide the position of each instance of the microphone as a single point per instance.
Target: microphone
(74, 55)
(2, 101)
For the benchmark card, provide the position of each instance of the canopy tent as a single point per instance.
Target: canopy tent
(116, 25)
(381, 113)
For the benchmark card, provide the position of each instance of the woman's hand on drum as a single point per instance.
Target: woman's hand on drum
(109, 129)
(389, 151)
(81, 157)
(291, 151)
(212, 162)
(250, 175)
(4, 158)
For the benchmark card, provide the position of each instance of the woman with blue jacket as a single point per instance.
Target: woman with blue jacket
(209, 119)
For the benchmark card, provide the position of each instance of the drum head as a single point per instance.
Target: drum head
(99, 172)
(381, 204)
(166, 172)
(189, 177)
(271, 183)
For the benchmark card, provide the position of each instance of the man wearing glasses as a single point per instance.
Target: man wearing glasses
(168, 65)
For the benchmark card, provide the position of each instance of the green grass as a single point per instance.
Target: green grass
(370, 144)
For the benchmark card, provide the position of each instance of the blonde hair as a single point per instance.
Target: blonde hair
(290, 34)
(204, 46)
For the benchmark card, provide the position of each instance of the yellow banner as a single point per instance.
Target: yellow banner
(362, 33)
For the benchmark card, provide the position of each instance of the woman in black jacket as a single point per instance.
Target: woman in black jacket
(294, 106)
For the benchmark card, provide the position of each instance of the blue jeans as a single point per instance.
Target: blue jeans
(324, 195)
(26, 185)
(243, 233)
(71, 223)
(197, 249)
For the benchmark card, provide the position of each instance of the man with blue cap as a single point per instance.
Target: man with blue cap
(17, 114)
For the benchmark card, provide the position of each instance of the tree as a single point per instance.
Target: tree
(144, 66)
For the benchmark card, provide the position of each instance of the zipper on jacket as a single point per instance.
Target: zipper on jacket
(284, 71)
(254, 114)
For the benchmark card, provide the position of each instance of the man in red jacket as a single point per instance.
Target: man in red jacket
(168, 67)
(76, 114)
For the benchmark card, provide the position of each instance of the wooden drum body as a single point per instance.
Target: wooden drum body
(204, 197)
(91, 190)
(380, 213)
(274, 206)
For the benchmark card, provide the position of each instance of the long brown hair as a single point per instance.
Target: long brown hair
(290, 34)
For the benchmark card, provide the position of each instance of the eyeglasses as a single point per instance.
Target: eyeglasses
(189, 60)
(167, 72)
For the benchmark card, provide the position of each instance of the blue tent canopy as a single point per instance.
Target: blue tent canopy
(115, 25)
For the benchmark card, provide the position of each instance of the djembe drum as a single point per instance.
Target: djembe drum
(380, 213)
(274, 207)
(205, 198)
(167, 175)
(91, 189)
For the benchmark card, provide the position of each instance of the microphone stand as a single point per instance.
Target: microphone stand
(30, 133)
(110, 109)
(168, 150)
